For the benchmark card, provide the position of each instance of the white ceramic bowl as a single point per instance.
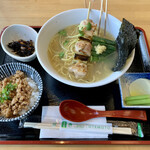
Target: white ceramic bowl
(6, 70)
(14, 33)
(61, 21)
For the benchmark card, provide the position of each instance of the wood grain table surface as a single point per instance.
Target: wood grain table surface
(37, 12)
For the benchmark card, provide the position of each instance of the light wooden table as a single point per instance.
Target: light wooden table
(37, 12)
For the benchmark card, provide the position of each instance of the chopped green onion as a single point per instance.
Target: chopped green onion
(81, 33)
(4, 95)
(63, 32)
(88, 26)
(61, 54)
(66, 42)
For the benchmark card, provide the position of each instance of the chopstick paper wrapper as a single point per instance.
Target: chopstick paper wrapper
(105, 128)
(50, 114)
(136, 127)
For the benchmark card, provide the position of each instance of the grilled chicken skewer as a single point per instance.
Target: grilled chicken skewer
(83, 47)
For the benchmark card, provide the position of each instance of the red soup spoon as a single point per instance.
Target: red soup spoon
(77, 112)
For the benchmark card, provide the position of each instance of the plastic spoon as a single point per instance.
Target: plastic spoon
(77, 112)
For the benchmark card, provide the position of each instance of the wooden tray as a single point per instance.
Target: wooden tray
(55, 92)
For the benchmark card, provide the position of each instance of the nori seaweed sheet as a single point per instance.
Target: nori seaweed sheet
(125, 43)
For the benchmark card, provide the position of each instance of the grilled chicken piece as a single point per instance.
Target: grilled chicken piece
(88, 27)
(83, 47)
(79, 69)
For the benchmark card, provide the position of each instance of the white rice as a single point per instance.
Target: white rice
(35, 91)
(34, 95)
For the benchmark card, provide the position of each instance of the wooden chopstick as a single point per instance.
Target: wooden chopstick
(116, 130)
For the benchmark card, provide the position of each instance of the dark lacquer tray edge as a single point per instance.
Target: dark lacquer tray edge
(145, 50)
(78, 142)
(75, 142)
(145, 37)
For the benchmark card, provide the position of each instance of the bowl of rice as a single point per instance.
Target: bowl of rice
(20, 91)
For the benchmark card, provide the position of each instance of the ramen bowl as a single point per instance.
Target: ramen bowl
(68, 18)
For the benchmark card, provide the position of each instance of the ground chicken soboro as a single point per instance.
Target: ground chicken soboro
(19, 96)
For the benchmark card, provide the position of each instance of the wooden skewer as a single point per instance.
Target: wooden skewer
(105, 18)
(89, 10)
(101, 12)
(85, 5)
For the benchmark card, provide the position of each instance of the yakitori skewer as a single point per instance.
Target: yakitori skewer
(101, 13)
(89, 8)
(85, 2)
(105, 17)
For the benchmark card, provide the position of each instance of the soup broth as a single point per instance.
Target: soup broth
(64, 45)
